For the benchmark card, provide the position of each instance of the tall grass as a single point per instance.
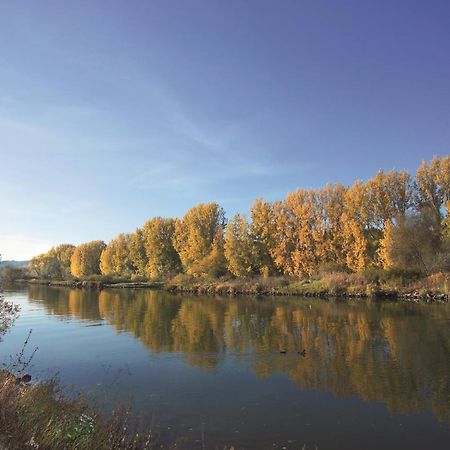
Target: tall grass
(38, 416)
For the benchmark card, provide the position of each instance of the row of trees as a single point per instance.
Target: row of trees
(393, 220)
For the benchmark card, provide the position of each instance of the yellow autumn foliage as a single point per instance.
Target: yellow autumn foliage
(371, 223)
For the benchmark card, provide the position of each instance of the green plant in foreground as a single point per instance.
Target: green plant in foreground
(81, 429)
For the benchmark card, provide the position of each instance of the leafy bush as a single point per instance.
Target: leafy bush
(10, 274)
(373, 275)
(398, 278)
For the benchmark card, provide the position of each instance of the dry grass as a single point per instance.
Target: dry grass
(37, 416)
(372, 282)
(437, 283)
(342, 282)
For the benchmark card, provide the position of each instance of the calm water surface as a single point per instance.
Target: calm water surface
(208, 372)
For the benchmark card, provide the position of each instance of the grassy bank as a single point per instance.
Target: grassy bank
(98, 283)
(371, 283)
(336, 284)
(37, 416)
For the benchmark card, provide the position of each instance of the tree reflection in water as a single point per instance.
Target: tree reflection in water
(393, 352)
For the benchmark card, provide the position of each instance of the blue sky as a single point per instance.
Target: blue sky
(113, 112)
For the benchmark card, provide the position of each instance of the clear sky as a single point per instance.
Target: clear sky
(112, 112)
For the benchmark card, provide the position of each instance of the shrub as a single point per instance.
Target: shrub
(400, 277)
(373, 274)
(340, 282)
(332, 267)
(438, 282)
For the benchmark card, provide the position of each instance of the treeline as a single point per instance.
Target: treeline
(393, 221)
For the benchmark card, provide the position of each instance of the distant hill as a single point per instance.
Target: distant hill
(13, 264)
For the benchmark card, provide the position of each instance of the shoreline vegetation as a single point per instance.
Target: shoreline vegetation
(38, 415)
(388, 236)
(337, 285)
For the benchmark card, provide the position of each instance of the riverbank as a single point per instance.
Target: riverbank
(37, 416)
(374, 284)
(335, 285)
(97, 284)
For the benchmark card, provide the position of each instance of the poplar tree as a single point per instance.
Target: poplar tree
(239, 247)
(115, 258)
(198, 234)
(85, 259)
(162, 258)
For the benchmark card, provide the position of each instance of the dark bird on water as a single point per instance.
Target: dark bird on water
(283, 352)
(303, 352)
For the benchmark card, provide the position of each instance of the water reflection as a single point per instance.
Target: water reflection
(395, 353)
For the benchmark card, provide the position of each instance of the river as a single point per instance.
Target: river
(253, 373)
